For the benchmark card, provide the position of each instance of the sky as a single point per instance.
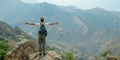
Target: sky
(111, 5)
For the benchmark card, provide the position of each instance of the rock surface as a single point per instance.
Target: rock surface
(111, 58)
(26, 51)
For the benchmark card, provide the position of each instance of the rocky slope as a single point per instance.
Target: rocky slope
(26, 51)
(8, 32)
(24, 46)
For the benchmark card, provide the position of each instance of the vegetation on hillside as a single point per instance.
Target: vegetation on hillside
(4, 48)
(104, 54)
(69, 56)
(51, 49)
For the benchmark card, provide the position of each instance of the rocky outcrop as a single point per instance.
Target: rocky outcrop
(110, 57)
(23, 52)
(26, 51)
(52, 55)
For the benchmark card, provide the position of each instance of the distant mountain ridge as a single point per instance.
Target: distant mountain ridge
(80, 31)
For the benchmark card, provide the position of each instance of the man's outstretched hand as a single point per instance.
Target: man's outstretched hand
(29, 23)
(56, 23)
(53, 23)
(26, 22)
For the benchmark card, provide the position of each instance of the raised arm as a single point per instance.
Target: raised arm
(53, 23)
(30, 23)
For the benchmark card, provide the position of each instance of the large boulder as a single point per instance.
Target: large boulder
(23, 51)
(111, 58)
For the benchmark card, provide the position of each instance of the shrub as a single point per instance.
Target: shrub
(104, 54)
(51, 49)
(4, 48)
(69, 56)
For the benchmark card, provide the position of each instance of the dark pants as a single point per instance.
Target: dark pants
(41, 42)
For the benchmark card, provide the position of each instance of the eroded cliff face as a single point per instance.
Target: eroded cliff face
(26, 51)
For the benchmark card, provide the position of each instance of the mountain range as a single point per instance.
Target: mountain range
(83, 32)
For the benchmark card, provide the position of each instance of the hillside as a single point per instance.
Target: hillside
(113, 47)
(17, 45)
(109, 51)
(9, 33)
(9, 37)
(82, 31)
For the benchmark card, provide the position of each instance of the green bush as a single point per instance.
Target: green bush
(4, 48)
(119, 56)
(69, 56)
(104, 54)
(51, 49)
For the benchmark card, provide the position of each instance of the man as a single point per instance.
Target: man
(42, 33)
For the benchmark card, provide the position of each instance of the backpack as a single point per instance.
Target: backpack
(42, 30)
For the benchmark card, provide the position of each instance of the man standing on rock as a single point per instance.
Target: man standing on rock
(42, 33)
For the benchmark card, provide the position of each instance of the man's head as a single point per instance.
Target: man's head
(42, 19)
